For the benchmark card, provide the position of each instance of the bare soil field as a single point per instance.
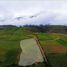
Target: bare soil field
(55, 49)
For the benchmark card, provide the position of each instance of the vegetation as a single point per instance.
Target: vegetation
(47, 28)
(10, 45)
(55, 48)
(53, 42)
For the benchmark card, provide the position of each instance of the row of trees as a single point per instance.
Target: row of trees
(39, 28)
(47, 28)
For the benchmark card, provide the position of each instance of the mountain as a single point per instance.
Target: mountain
(7, 26)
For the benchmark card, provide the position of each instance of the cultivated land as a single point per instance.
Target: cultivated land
(55, 48)
(53, 44)
(31, 53)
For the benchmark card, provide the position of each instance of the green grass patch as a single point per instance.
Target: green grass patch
(58, 60)
(62, 42)
(10, 40)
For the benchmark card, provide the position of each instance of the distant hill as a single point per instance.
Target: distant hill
(7, 26)
(40, 28)
(47, 28)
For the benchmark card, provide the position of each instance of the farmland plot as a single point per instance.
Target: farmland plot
(55, 47)
(30, 52)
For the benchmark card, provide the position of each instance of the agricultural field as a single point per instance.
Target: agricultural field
(54, 46)
(10, 46)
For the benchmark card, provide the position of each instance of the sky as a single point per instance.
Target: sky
(55, 10)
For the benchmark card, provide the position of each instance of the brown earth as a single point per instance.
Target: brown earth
(55, 49)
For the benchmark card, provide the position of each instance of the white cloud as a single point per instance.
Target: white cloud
(28, 7)
(14, 8)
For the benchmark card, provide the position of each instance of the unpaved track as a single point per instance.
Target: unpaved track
(42, 52)
(46, 62)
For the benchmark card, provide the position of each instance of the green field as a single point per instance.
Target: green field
(54, 46)
(10, 45)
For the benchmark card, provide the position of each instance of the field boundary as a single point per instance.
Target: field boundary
(46, 62)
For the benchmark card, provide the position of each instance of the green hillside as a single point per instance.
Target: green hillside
(54, 46)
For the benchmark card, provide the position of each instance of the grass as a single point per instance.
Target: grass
(62, 42)
(10, 45)
(10, 40)
(52, 39)
(8, 52)
(58, 60)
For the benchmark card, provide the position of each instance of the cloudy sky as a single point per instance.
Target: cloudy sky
(55, 11)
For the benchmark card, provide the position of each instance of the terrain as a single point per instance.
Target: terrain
(54, 45)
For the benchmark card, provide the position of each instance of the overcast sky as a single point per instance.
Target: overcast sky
(15, 8)
(29, 7)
